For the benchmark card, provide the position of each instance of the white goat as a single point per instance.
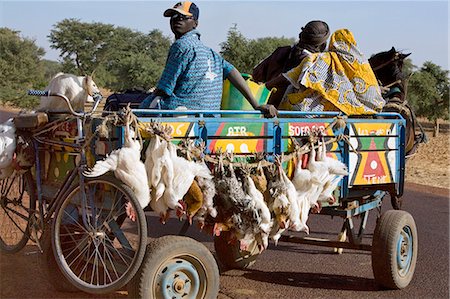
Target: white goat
(78, 89)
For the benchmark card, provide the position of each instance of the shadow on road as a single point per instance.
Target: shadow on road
(310, 249)
(313, 280)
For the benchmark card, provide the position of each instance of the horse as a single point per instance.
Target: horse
(388, 68)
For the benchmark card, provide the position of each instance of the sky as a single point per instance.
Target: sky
(417, 27)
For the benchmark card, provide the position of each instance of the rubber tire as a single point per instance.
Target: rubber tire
(5, 248)
(231, 256)
(140, 220)
(168, 248)
(50, 266)
(385, 253)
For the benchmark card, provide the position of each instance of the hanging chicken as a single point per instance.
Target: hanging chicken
(277, 202)
(231, 200)
(172, 178)
(127, 166)
(263, 223)
(199, 202)
(7, 148)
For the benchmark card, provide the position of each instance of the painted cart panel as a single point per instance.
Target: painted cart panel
(372, 148)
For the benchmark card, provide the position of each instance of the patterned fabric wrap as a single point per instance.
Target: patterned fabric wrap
(340, 79)
(194, 74)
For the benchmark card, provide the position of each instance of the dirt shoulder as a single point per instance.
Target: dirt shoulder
(430, 165)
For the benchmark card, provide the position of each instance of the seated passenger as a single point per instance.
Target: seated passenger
(312, 39)
(194, 73)
(338, 80)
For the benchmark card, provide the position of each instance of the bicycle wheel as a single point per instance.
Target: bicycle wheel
(17, 200)
(97, 247)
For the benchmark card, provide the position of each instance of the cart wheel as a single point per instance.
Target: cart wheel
(394, 249)
(97, 247)
(231, 256)
(52, 271)
(17, 200)
(176, 267)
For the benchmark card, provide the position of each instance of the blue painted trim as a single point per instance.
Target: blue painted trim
(277, 140)
(402, 162)
(346, 160)
(374, 203)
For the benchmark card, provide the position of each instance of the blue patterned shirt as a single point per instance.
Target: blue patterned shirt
(194, 74)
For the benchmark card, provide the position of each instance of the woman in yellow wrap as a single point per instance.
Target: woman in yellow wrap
(338, 80)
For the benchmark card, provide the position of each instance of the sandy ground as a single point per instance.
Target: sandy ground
(430, 165)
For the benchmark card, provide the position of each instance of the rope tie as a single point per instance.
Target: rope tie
(346, 139)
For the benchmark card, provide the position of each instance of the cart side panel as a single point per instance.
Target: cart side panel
(375, 155)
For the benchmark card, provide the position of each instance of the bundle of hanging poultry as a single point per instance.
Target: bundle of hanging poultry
(253, 201)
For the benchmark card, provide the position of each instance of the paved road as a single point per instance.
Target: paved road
(304, 271)
(290, 270)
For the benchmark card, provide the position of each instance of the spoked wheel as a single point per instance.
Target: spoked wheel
(230, 254)
(16, 202)
(58, 281)
(394, 249)
(97, 247)
(176, 267)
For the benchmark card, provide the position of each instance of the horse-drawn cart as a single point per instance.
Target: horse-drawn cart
(82, 224)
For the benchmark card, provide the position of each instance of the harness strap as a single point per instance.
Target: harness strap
(385, 63)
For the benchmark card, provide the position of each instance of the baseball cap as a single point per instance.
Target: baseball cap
(186, 8)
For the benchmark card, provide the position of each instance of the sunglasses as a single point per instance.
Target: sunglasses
(180, 17)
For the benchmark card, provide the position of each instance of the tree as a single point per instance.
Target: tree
(246, 53)
(121, 58)
(20, 68)
(51, 68)
(140, 62)
(83, 44)
(428, 92)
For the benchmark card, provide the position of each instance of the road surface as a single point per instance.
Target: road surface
(290, 270)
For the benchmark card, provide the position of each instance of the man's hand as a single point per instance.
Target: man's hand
(269, 111)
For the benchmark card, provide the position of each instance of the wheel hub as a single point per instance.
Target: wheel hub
(404, 251)
(178, 286)
(179, 279)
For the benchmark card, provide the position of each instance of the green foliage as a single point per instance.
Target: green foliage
(121, 58)
(428, 91)
(246, 53)
(20, 68)
(82, 43)
(408, 67)
(51, 68)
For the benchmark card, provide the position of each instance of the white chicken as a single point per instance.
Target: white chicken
(319, 173)
(171, 176)
(326, 174)
(184, 173)
(7, 147)
(127, 166)
(279, 203)
(337, 170)
(209, 191)
(163, 171)
(302, 178)
(263, 220)
(297, 205)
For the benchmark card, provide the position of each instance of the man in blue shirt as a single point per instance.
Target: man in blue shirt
(194, 73)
